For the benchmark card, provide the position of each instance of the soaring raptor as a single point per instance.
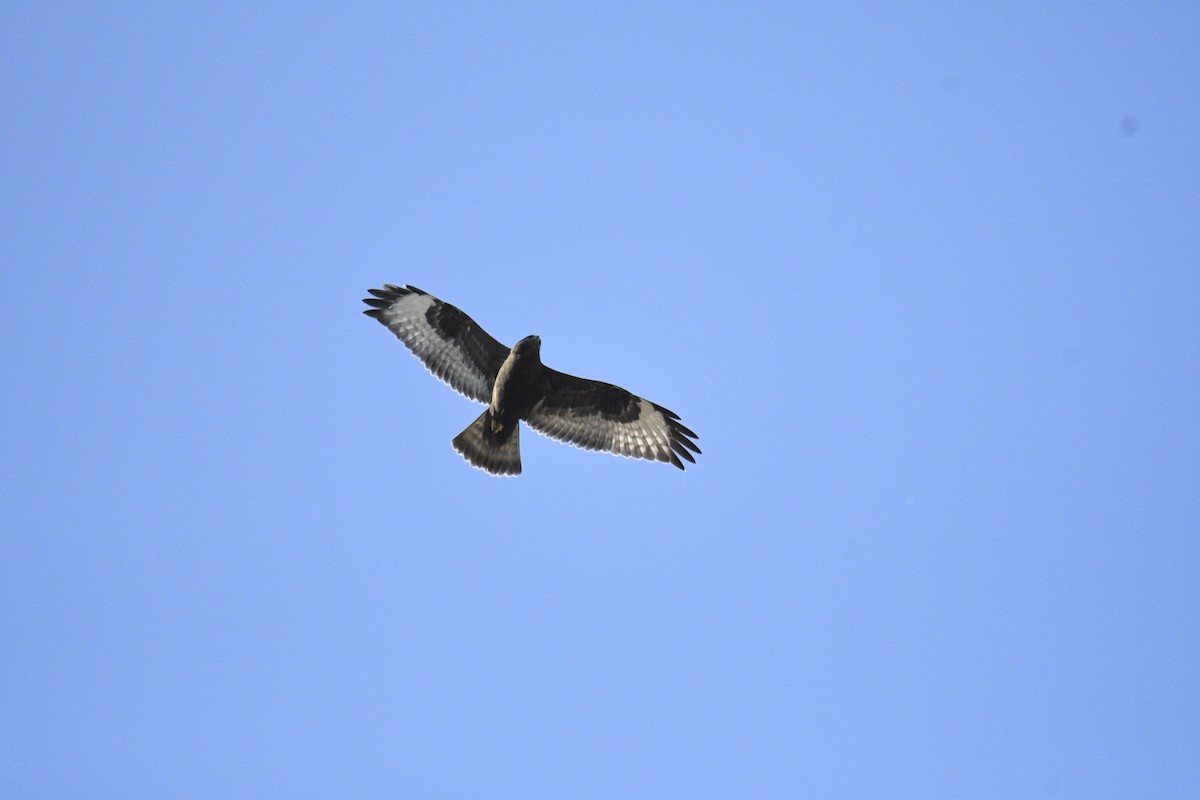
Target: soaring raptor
(517, 386)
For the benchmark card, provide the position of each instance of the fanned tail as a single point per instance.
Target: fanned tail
(497, 452)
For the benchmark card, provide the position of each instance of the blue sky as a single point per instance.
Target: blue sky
(924, 280)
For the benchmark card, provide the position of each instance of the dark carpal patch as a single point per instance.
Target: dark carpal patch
(447, 320)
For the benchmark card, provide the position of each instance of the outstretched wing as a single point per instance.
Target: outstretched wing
(450, 343)
(600, 416)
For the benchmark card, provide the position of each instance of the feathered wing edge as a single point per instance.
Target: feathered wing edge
(449, 343)
(600, 416)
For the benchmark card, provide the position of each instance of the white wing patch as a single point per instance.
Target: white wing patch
(407, 316)
(649, 436)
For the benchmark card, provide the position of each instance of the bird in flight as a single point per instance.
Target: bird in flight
(517, 387)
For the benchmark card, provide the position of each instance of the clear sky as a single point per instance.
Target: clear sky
(925, 281)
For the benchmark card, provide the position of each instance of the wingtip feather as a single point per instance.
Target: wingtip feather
(681, 450)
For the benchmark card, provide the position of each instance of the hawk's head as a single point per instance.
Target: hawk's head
(529, 347)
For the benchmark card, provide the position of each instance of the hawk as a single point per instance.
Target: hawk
(518, 387)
